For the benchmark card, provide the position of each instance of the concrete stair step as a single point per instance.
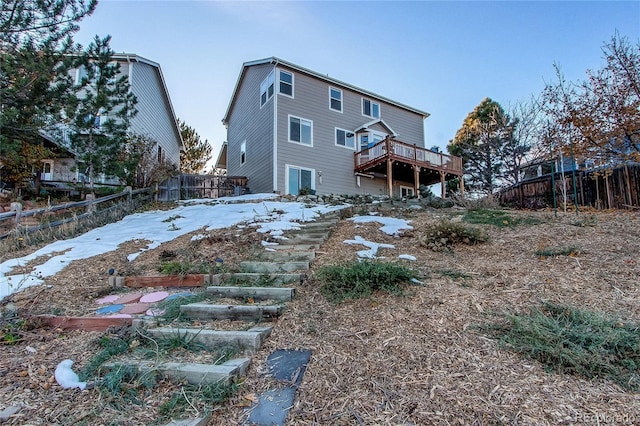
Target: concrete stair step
(283, 256)
(256, 293)
(272, 280)
(194, 374)
(247, 342)
(272, 267)
(293, 246)
(232, 312)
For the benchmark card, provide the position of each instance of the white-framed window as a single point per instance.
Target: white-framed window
(161, 155)
(370, 108)
(300, 130)
(335, 99)
(345, 138)
(370, 138)
(286, 83)
(266, 88)
(300, 178)
(243, 152)
(407, 191)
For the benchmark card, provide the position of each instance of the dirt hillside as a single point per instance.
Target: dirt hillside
(416, 359)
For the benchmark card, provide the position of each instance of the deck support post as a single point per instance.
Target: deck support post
(390, 177)
(461, 185)
(416, 181)
(443, 185)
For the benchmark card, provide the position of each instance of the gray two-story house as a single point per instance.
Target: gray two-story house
(155, 119)
(292, 130)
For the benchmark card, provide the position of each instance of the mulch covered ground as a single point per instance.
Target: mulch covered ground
(416, 359)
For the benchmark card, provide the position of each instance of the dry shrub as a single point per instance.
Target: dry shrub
(444, 235)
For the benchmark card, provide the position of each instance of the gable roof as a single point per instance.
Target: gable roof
(277, 61)
(132, 57)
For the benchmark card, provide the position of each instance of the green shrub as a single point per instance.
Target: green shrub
(355, 280)
(568, 340)
(444, 235)
(558, 251)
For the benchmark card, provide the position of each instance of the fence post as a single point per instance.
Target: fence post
(129, 197)
(91, 207)
(17, 207)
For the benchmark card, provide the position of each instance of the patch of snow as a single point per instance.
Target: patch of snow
(151, 226)
(416, 281)
(390, 225)
(373, 247)
(407, 257)
(268, 243)
(198, 237)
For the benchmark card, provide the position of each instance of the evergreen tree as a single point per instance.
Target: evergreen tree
(102, 111)
(196, 153)
(35, 43)
(482, 142)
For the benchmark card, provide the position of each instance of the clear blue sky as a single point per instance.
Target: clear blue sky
(440, 57)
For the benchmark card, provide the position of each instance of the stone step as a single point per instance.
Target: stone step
(247, 342)
(272, 267)
(283, 256)
(194, 374)
(306, 233)
(272, 280)
(293, 246)
(256, 293)
(295, 239)
(196, 421)
(232, 312)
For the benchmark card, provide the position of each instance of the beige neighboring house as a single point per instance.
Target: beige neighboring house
(155, 119)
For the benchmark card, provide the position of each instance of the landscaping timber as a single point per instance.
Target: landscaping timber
(244, 341)
(255, 293)
(79, 323)
(232, 312)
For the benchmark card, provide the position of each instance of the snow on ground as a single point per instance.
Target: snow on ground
(407, 257)
(390, 225)
(158, 227)
(373, 247)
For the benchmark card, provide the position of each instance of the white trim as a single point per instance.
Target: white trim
(409, 189)
(293, 89)
(289, 130)
(366, 126)
(288, 167)
(271, 74)
(335, 138)
(275, 145)
(371, 102)
(341, 110)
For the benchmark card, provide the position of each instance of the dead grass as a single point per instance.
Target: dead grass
(412, 359)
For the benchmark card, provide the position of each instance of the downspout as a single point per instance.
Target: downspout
(275, 131)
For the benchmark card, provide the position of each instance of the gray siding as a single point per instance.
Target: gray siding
(334, 163)
(154, 118)
(248, 122)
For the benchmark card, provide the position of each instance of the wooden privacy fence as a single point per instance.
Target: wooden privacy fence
(56, 215)
(616, 188)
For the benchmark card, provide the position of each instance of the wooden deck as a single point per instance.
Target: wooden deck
(403, 162)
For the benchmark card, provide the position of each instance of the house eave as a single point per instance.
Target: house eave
(286, 64)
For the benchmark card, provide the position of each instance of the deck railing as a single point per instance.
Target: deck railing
(405, 152)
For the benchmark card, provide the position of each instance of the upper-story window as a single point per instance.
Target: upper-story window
(243, 152)
(300, 130)
(286, 83)
(370, 108)
(266, 88)
(335, 99)
(345, 138)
